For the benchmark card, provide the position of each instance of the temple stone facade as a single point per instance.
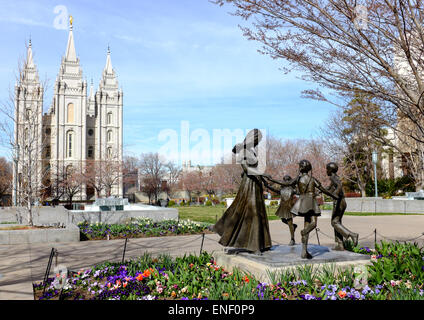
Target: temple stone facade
(81, 124)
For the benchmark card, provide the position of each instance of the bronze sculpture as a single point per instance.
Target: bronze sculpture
(286, 203)
(306, 206)
(244, 225)
(339, 207)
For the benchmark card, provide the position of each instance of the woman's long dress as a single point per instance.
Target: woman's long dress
(245, 223)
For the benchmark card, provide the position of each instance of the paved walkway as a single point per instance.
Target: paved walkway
(21, 265)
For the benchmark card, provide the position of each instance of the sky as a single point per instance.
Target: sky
(180, 63)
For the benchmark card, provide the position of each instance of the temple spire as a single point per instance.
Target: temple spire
(30, 60)
(108, 67)
(70, 48)
(91, 95)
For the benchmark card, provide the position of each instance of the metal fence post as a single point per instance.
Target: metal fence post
(316, 230)
(375, 237)
(201, 246)
(125, 249)
(49, 265)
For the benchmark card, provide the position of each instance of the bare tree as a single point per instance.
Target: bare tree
(111, 174)
(6, 177)
(209, 183)
(191, 182)
(226, 177)
(173, 174)
(71, 179)
(283, 157)
(371, 47)
(93, 176)
(152, 170)
(104, 174)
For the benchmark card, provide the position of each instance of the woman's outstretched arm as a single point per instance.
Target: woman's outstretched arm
(269, 186)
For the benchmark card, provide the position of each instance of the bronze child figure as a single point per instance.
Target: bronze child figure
(286, 204)
(306, 206)
(339, 207)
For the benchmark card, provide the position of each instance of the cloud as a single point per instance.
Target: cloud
(25, 21)
(169, 44)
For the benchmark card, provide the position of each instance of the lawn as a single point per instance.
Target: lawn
(211, 214)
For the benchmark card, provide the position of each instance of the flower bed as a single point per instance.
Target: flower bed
(198, 277)
(396, 263)
(140, 228)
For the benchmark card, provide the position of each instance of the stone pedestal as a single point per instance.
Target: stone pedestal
(281, 258)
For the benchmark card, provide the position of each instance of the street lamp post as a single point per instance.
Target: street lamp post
(374, 161)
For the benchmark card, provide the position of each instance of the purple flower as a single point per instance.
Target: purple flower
(330, 294)
(367, 290)
(296, 283)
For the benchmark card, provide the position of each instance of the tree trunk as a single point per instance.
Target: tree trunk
(30, 221)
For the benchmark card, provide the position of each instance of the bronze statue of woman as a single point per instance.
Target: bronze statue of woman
(244, 225)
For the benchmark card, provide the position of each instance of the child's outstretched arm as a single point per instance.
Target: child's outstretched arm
(324, 190)
(283, 183)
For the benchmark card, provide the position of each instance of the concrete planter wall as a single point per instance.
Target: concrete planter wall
(384, 205)
(42, 216)
(59, 216)
(113, 217)
(69, 234)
